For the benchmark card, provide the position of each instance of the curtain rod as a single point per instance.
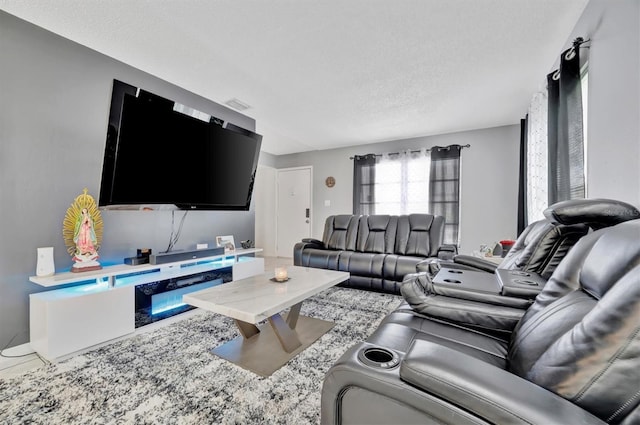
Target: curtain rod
(577, 43)
(418, 150)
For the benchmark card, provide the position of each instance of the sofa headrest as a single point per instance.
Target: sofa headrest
(376, 233)
(595, 213)
(342, 222)
(419, 234)
(340, 232)
(541, 247)
(420, 222)
(378, 222)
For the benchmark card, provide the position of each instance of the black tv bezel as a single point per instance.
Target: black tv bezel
(119, 90)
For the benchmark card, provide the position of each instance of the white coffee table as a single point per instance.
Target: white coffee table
(261, 348)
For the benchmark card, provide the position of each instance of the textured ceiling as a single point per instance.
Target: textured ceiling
(330, 73)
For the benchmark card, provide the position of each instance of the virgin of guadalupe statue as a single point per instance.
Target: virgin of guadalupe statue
(84, 236)
(82, 232)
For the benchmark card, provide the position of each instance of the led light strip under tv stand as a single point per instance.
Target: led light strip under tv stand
(101, 305)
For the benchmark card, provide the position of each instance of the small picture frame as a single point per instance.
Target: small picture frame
(227, 242)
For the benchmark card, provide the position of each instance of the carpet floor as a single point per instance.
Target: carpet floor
(169, 376)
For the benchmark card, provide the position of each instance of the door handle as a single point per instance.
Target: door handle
(307, 214)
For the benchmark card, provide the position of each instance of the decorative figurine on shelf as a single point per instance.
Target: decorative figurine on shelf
(82, 232)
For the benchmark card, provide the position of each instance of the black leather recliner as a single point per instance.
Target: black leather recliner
(539, 249)
(543, 244)
(498, 310)
(573, 358)
(377, 250)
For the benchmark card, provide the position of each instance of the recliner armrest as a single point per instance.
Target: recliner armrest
(313, 241)
(433, 265)
(299, 247)
(485, 390)
(490, 312)
(475, 262)
(447, 252)
(430, 265)
(379, 396)
(521, 284)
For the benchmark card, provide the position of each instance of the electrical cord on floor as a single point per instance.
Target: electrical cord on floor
(6, 356)
(7, 346)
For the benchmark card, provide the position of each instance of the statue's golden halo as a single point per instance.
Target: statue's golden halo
(83, 200)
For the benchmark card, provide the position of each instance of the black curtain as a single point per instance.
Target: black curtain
(444, 187)
(364, 173)
(566, 144)
(522, 184)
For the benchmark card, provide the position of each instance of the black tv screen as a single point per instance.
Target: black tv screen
(159, 152)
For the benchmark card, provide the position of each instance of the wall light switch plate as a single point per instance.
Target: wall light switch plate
(202, 246)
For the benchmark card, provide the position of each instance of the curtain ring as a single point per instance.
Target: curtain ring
(556, 75)
(570, 54)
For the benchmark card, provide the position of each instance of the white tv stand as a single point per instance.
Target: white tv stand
(101, 306)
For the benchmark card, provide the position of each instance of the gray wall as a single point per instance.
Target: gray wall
(489, 189)
(613, 138)
(55, 97)
(489, 183)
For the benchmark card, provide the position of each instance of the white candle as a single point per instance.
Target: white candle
(281, 273)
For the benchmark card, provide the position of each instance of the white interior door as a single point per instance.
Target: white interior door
(294, 208)
(264, 201)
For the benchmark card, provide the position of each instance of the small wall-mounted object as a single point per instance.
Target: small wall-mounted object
(45, 265)
(330, 181)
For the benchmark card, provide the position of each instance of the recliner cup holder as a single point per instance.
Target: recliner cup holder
(378, 357)
(452, 281)
(455, 271)
(525, 282)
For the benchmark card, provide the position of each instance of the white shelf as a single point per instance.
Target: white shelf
(109, 272)
(68, 319)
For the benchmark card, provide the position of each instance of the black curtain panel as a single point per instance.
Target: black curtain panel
(566, 144)
(444, 188)
(522, 184)
(364, 173)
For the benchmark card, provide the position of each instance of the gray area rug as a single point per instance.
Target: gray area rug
(168, 376)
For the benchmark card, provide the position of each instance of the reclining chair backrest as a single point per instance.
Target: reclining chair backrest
(595, 213)
(419, 235)
(581, 337)
(377, 234)
(543, 244)
(541, 247)
(340, 232)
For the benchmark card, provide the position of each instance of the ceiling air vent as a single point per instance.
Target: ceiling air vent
(236, 104)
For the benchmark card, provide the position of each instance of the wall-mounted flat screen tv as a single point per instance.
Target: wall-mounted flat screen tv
(162, 153)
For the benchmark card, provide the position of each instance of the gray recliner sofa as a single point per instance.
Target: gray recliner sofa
(573, 357)
(494, 299)
(543, 244)
(377, 250)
